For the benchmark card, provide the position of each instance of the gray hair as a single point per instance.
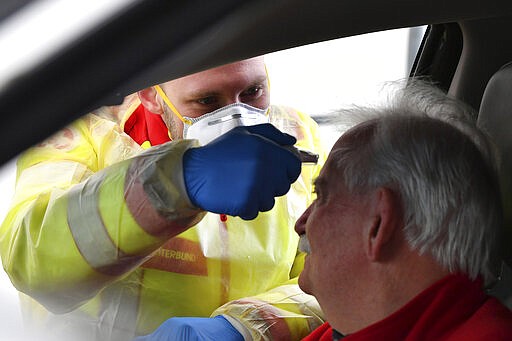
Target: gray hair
(426, 147)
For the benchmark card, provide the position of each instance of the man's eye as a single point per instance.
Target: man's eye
(253, 91)
(318, 195)
(207, 100)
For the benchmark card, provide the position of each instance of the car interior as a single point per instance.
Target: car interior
(494, 117)
(466, 51)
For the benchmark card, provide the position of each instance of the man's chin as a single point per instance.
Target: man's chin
(304, 283)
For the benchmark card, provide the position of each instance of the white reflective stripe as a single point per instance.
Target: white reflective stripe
(120, 308)
(89, 231)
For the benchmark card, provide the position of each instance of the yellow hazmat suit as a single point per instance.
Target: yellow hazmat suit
(71, 243)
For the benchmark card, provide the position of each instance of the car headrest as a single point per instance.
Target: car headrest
(495, 117)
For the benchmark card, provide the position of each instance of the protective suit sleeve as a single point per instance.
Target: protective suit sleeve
(283, 313)
(81, 213)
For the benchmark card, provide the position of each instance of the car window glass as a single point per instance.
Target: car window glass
(322, 77)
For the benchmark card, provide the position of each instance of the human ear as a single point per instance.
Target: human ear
(385, 222)
(149, 99)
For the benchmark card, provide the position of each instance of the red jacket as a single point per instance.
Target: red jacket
(454, 308)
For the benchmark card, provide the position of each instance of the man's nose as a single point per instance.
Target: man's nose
(232, 100)
(300, 225)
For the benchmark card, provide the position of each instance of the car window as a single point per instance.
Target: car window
(322, 77)
(316, 79)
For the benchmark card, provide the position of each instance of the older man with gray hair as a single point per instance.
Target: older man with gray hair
(403, 236)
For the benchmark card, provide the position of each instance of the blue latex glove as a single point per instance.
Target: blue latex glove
(241, 172)
(194, 329)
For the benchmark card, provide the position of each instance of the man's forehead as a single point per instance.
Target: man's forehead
(350, 140)
(239, 74)
(254, 66)
(327, 173)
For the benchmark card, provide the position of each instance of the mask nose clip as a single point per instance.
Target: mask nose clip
(224, 119)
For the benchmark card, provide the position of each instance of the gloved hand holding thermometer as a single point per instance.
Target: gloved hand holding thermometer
(241, 172)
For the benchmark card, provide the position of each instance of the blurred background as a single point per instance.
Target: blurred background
(316, 79)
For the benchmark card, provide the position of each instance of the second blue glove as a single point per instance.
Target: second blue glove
(194, 329)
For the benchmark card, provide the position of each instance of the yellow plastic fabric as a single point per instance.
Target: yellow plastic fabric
(193, 274)
(283, 313)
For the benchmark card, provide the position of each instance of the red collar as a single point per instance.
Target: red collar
(454, 308)
(143, 125)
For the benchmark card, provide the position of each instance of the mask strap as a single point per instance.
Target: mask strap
(170, 105)
(267, 112)
(268, 78)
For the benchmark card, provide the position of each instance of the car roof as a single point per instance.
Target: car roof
(146, 42)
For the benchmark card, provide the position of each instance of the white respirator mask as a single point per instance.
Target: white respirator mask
(209, 126)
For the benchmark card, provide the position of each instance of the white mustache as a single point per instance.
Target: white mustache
(304, 244)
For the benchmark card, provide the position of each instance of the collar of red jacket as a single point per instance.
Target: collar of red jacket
(451, 306)
(143, 125)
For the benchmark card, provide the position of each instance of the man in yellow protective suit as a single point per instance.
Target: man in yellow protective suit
(108, 238)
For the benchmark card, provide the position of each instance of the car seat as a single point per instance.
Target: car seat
(495, 118)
